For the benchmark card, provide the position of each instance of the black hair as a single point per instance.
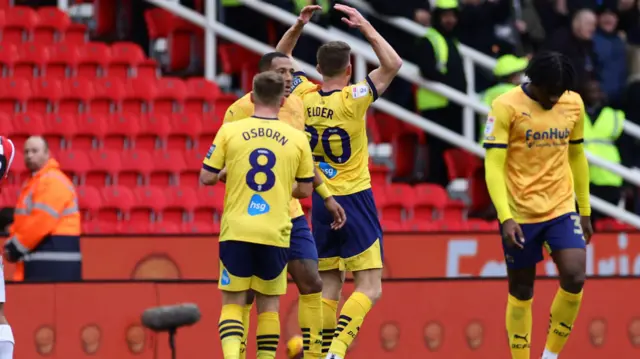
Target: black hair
(552, 71)
(267, 59)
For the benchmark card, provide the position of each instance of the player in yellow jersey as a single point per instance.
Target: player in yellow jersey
(265, 158)
(303, 255)
(335, 122)
(535, 170)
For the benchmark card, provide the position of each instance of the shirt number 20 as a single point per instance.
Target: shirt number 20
(345, 141)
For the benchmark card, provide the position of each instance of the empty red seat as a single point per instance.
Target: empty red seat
(105, 165)
(193, 159)
(166, 227)
(149, 201)
(460, 163)
(392, 226)
(98, 227)
(139, 96)
(183, 197)
(136, 168)
(201, 95)
(454, 210)
(51, 26)
(399, 202)
(167, 165)
(94, 59)
(45, 95)
(107, 96)
(122, 129)
(76, 34)
(201, 227)
(220, 106)
(185, 128)
(60, 129)
(14, 93)
(118, 198)
(89, 200)
(92, 128)
(210, 203)
(63, 60)
(170, 95)
(76, 96)
(74, 163)
(19, 23)
(379, 175)
(154, 130)
(125, 57)
(31, 61)
(27, 124)
(429, 202)
(8, 56)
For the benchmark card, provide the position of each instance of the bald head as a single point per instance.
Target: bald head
(584, 24)
(36, 153)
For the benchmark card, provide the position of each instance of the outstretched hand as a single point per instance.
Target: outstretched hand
(307, 13)
(353, 17)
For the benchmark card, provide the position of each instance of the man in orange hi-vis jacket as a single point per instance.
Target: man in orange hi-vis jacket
(45, 235)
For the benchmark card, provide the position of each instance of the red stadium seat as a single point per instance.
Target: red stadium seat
(138, 97)
(122, 129)
(429, 202)
(165, 227)
(158, 23)
(180, 203)
(31, 61)
(220, 107)
(454, 210)
(27, 124)
(478, 225)
(19, 171)
(108, 94)
(91, 131)
(168, 164)
(460, 163)
(98, 227)
(76, 96)
(148, 70)
(136, 168)
(45, 95)
(94, 59)
(104, 166)
(51, 26)
(140, 226)
(8, 56)
(399, 202)
(150, 201)
(185, 129)
(170, 95)
(154, 130)
(76, 34)
(379, 175)
(392, 226)
(117, 202)
(14, 93)
(201, 95)
(19, 23)
(125, 57)
(210, 203)
(63, 60)
(202, 227)
(193, 159)
(59, 129)
(74, 163)
(89, 200)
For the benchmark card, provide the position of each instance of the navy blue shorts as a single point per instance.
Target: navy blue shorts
(302, 244)
(556, 234)
(244, 259)
(357, 245)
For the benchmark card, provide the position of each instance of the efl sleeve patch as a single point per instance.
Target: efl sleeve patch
(296, 81)
(358, 91)
(488, 128)
(210, 152)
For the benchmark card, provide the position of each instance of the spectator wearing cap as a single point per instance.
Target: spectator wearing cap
(610, 50)
(509, 72)
(440, 61)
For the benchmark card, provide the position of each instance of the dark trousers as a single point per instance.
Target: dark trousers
(451, 118)
(610, 194)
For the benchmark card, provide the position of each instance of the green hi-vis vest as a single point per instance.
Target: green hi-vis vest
(487, 98)
(231, 3)
(324, 4)
(429, 100)
(599, 140)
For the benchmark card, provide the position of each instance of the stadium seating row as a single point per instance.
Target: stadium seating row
(43, 26)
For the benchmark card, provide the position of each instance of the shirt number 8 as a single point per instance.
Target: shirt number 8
(345, 141)
(266, 169)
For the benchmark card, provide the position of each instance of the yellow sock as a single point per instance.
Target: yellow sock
(329, 322)
(519, 324)
(310, 320)
(230, 329)
(268, 335)
(349, 322)
(246, 320)
(564, 311)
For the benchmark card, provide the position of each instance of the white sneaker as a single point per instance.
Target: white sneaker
(333, 356)
(549, 355)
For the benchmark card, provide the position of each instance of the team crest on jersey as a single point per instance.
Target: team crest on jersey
(358, 91)
(210, 152)
(488, 127)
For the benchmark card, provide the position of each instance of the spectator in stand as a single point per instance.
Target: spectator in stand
(602, 127)
(476, 29)
(440, 60)
(246, 20)
(577, 44)
(611, 52)
(554, 14)
(629, 15)
(400, 91)
(530, 29)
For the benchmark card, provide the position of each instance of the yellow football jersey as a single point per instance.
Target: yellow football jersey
(263, 158)
(337, 131)
(539, 177)
(291, 112)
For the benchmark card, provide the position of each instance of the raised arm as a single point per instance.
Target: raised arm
(290, 38)
(390, 61)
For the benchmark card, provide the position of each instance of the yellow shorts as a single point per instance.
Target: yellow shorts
(370, 258)
(245, 266)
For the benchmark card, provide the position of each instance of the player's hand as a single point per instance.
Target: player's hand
(512, 234)
(587, 229)
(307, 13)
(222, 175)
(336, 210)
(354, 18)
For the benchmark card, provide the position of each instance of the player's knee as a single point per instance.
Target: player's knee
(521, 291)
(573, 281)
(311, 284)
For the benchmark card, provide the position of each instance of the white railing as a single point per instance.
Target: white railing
(468, 54)
(215, 28)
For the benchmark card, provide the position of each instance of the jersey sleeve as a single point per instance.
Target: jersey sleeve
(305, 168)
(577, 135)
(234, 113)
(215, 159)
(360, 96)
(496, 130)
(301, 84)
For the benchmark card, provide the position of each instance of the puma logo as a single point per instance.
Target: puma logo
(567, 326)
(520, 337)
(526, 114)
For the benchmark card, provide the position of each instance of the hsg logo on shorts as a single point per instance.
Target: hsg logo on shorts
(224, 278)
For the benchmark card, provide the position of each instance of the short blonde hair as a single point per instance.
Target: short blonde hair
(268, 88)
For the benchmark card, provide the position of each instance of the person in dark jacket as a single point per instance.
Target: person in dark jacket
(611, 53)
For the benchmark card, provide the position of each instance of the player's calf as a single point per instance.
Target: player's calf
(518, 315)
(246, 321)
(332, 281)
(268, 331)
(230, 325)
(305, 274)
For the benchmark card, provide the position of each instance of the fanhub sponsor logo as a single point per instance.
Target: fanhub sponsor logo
(550, 137)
